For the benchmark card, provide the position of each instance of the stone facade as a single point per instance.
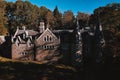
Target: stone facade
(78, 46)
(32, 45)
(46, 46)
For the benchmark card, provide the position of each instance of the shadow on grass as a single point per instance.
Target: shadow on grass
(14, 70)
(31, 71)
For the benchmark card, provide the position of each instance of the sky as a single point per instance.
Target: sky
(86, 6)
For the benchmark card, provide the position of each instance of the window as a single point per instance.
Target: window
(47, 38)
(50, 39)
(47, 47)
(44, 38)
(24, 53)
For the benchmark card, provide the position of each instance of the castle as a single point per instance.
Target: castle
(45, 45)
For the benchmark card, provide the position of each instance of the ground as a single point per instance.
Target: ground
(17, 70)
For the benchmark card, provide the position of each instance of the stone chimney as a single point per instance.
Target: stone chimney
(24, 28)
(48, 25)
(42, 27)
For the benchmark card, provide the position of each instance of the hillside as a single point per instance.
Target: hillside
(15, 70)
(22, 70)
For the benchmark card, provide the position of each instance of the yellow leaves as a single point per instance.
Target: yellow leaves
(2, 59)
(65, 67)
(3, 30)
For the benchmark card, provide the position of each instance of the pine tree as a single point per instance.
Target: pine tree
(58, 18)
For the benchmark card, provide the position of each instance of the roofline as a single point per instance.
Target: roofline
(44, 32)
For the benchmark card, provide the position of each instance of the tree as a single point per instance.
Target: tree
(10, 9)
(109, 17)
(49, 19)
(83, 19)
(3, 19)
(42, 12)
(22, 13)
(58, 18)
(68, 20)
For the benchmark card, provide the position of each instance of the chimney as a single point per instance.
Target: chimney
(42, 27)
(17, 28)
(48, 25)
(24, 28)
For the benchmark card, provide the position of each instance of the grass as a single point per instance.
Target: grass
(27, 70)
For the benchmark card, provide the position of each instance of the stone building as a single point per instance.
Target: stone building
(35, 45)
(46, 46)
(78, 46)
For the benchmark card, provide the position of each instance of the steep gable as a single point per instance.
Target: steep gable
(47, 36)
(47, 46)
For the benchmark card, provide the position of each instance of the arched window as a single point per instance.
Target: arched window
(50, 38)
(47, 38)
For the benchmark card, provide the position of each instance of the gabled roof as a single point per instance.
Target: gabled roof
(27, 32)
(18, 32)
(23, 40)
(47, 30)
(18, 38)
(31, 32)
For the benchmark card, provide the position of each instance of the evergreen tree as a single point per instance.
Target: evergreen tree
(58, 18)
(68, 20)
